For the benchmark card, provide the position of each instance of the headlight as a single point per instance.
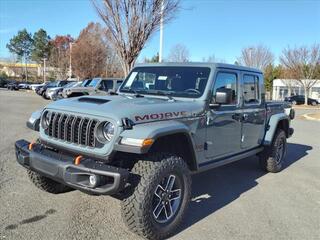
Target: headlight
(45, 120)
(108, 131)
(105, 132)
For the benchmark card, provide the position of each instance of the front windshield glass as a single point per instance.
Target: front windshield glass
(52, 84)
(86, 83)
(94, 82)
(71, 84)
(174, 81)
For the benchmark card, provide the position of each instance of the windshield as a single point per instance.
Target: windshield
(71, 84)
(174, 81)
(86, 83)
(94, 82)
(52, 84)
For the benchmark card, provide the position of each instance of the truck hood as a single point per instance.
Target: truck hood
(54, 89)
(137, 109)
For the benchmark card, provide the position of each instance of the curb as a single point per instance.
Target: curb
(310, 118)
(306, 108)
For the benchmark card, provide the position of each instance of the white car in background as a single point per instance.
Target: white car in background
(56, 92)
(34, 86)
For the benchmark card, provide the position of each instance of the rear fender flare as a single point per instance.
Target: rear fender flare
(273, 124)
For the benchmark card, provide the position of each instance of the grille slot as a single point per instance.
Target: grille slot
(72, 129)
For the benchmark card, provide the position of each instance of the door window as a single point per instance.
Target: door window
(251, 93)
(225, 80)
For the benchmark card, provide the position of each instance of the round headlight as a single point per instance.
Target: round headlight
(46, 118)
(108, 131)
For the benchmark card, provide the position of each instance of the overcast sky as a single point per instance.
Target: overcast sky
(205, 27)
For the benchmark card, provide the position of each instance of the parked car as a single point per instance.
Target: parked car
(55, 93)
(13, 86)
(35, 87)
(97, 86)
(67, 91)
(43, 90)
(300, 99)
(3, 83)
(24, 85)
(142, 144)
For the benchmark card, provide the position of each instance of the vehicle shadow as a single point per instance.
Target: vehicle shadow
(216, 188)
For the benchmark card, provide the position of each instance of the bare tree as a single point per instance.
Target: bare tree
(60, 55)
(302, 64)
(178, 53)
(89, 52)
(256, 56)
(211, 58)
(130, 24)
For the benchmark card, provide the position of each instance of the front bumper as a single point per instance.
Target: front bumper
(61, 168)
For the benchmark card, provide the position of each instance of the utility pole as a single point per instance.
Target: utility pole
(70, 60)
(161, 33)
(44, 70)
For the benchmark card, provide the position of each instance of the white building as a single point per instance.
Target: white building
(286, 87)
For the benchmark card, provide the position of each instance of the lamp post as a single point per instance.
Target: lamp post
(70, 60)
(44, 70)
(161, 33)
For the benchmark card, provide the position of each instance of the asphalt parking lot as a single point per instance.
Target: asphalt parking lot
(237, 201)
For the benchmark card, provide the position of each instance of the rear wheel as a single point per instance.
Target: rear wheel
(47, 184)
(272, 157)
(313, 103)
(159, 196)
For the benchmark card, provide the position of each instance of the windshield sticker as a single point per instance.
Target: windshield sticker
(131, 79)
(163, 78)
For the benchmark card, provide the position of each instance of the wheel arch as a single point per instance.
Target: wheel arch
(169, 136)
(179, 143)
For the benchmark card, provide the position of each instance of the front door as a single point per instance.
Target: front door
(224, 122)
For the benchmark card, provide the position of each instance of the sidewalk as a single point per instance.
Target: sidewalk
(309, 107)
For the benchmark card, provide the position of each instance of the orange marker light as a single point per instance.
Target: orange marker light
(31, 145)
(77, 160)
(147, 142)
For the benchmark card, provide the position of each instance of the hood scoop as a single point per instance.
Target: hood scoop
(93, 100)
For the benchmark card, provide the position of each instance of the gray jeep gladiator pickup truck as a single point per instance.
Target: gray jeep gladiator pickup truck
(142, 144)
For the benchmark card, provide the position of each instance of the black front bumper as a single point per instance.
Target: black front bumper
(61, 168)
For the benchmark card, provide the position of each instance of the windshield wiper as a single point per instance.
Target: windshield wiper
(163, 93)
(136, 93)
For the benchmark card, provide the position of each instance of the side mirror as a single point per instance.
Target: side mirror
(222, 96)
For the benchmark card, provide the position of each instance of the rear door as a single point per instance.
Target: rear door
(254, 111)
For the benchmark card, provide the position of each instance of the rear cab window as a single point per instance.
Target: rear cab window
(250, 89)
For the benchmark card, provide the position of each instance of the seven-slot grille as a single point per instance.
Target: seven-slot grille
(73, 129)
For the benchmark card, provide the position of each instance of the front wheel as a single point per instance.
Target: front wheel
(160, 193)
(47, 184)
(272, 157)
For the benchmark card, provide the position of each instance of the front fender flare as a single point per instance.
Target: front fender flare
(152, 130)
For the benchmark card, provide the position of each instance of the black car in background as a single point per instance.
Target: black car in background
(299, 99)
(13, 86)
